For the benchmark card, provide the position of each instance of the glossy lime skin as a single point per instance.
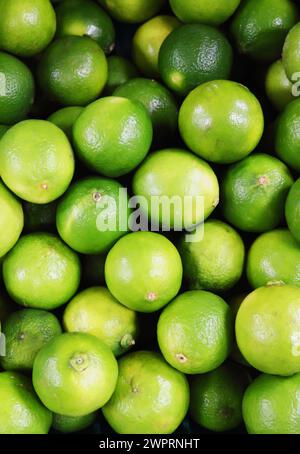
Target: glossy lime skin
(113, 135)
(260, 27)
(291, 53)
(254, 193)
(174, 172)
(216, 261)
(75, 374)
(150, 398)
(193, 54)
(267, 329)
(120, 70)
(71, 424)
(270, 403)
(216, 397)
(274, 257)
(73, 71)
(195, 332)
(21, 410)
(221, 134)
(95, 311)
(27, 26)
(11, 220)
(37, 167)
(292, 210)
(143, 271)
(278, 86)
(287, 135)
(65, 118)
(132, 11)
(41, 271)
(85, 18)
(16, 89)
(214, 12)
(82, 211)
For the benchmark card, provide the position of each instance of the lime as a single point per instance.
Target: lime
(291, 53)
(70, 424)
(235, 303)
(91, 213)
(11, 220)
(75, 374)
(27, 27)
(120, 70)
(216, 397)
(65, 118)
(95, 311)
(292, 210)
(39, 217)
(215, 262)
(3, 129)
(214, 12)
(143, 271)
(150, 398)
(267, 329)
(16, 89)
(287, 135)
(93, 270)
(278, 86)
(193, 54)
(73, 70)
(222, 134)
(147, 42)
(38, 166)
(85, 18)
(132, 11)
(41, 271)
(270, 403)
(195, 332)
(260, 27)
(254, 192)
(26, 332)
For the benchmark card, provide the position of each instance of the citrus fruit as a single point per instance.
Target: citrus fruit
(11, 220)
(95, 311)
(222, 134)
(120, 70)
(143, 271)
(150, 397)
(65, 118)
(39, 217)
(291, 53)
(195, 332)
(41, 271)
(292, 210)
(270, 403)
(73, 70)
(75, 374)
(176, 177)
(91, 213)
(113, 135)
(147, 42)
(193, 54)
(26, 332)
(268, 329)
(278, 86)
(16, 89)
(132, 11)
(214, 12)
(3, 129)
(27, 26)
(70, 424)
(159, 103)
(216, 397)
(93, 270)
(85, 18)
(254, 192)
(215, 262)
(235, 303)
(21, 410)
(37, 167)
(287, 135)
(260, 27)
(274, 257)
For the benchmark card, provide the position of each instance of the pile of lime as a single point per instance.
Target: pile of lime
(149, 216)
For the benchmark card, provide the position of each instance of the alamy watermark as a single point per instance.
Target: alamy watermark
(2, 344)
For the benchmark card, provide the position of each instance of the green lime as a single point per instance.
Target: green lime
(143, 271)
(93, 215)
(291, 54)
(70, 424)
(3, 129)
(75, 374)
(11, 220)
(278, 86)
(235, 303)
(193, 54)
(26, 332)
(38, 166)
(270, 403)
(150, 398)
(27, 26)
(132, 11)
(214, 262)
(73, 70)
(260, 27)
(16, 89)
(85, 18)
(158, 101)
(254, 192)
(65, 118)
(95, 311)
(195, 332)
(93, 270)
(222, 134)
(39, 217)
(287, 135)
(120, 70)
(292, 210)
(214, 12)
(41, 271)
(147, 42)
(216, 397)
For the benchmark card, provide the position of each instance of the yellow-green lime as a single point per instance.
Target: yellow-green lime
(120, 70)
(214, 12)
(292, 210)
(287, 135)
(132, 11)
(65, 118)
(71, 424)
(3, 129)
(291, 53)
(11, 220)
(278, 86)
